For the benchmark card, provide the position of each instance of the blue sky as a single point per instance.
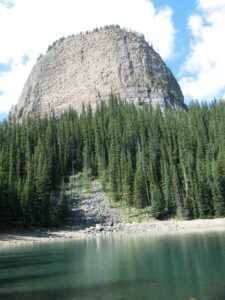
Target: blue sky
(188, 34)
(182, 9)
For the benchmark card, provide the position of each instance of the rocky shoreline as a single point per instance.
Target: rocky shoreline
(93, 216)
(9, 239)
(158, 227)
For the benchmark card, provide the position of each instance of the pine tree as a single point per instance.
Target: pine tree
(141, 197)
(63, 209)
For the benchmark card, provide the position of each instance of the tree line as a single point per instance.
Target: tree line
(173, 163)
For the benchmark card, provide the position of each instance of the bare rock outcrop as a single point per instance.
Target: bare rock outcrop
(89, 67)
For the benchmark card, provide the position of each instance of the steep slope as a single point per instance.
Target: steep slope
(88, 67)
(94, 208)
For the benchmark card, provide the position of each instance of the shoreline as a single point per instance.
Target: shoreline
(18, 238)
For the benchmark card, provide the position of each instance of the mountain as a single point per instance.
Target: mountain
(87, 68)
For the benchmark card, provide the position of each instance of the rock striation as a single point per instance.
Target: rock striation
(87, 68)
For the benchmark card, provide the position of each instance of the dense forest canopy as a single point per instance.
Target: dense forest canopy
(173, 163)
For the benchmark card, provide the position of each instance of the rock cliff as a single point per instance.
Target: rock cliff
(87, 68)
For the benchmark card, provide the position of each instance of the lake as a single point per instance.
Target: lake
(187, 266)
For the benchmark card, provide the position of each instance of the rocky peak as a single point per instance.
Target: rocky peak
(87, 68)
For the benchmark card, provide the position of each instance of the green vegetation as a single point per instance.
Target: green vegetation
(56, 43)
(165, 164)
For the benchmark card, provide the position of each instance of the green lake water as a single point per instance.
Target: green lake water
(172, 267)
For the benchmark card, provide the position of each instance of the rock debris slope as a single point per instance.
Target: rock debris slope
(89, 67)
(94, 209)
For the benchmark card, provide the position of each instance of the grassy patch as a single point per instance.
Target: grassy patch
(133, 214)
(78, 187)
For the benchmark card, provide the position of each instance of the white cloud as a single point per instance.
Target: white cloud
(196, 25)
(209, 5)
(7, 3)
(203, 72)
(30, 26)
(11, 84)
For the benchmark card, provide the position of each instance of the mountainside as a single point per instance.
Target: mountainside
(163, 165)
(89, 67)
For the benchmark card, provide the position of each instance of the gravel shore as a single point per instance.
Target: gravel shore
(149, 228)
(93, 216)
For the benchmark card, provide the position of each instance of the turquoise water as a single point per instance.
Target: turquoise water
(132, 267)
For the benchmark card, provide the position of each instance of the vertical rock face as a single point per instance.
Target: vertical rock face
(89, 67)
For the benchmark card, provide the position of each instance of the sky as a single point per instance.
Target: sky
(188, 34)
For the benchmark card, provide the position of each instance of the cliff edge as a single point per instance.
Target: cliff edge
(87, 68)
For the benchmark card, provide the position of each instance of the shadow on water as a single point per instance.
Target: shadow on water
(134, 268)
(8, 255)
(109, 291)
(17, 261)
(97, 291)
(24, 263)
(4, 282)
(7, 258)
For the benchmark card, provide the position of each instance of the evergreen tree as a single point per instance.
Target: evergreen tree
(173, 163)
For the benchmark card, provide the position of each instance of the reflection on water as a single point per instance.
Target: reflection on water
(132, 267)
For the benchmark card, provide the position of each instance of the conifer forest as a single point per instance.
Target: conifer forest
(172, 163)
